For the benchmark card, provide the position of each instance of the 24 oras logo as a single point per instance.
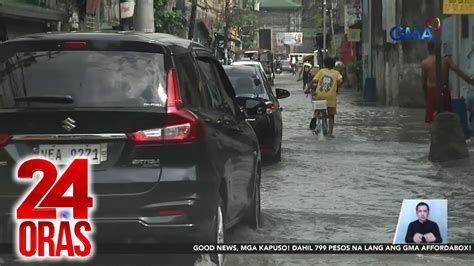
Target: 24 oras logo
(45, 228)
(399, 33)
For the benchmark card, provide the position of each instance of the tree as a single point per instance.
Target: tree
(247, 20)
(168, 21)
(192, 20)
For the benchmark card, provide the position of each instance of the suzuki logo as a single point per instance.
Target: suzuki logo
(68, 124)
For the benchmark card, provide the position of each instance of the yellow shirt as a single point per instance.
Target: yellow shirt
(328, 81)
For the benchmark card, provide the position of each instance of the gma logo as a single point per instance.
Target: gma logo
(399, 33)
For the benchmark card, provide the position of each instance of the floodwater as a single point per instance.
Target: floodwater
(350, 189)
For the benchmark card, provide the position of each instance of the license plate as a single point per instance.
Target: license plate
(63, 154)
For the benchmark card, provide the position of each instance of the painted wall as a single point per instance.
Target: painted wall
(396, 66)
(463, 54)
(279, 21)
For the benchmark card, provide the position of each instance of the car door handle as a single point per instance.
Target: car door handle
(250, 119)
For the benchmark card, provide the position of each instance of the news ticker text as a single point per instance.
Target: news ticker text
(275, 248)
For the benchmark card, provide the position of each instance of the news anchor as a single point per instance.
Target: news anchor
(423, 230)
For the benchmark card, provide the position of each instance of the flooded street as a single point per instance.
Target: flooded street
(350, 189)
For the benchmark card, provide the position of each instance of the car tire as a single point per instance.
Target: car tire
(277, 156)
(219, 233)
(254, 214)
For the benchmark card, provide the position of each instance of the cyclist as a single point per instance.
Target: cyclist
(306, 73)
(328, 81)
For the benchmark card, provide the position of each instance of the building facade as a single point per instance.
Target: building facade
(275, 18)
(458, 40)
(95, 15)
(394, 65)
(20, 17)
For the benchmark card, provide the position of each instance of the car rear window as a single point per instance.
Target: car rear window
(91, 78)
(243, 83)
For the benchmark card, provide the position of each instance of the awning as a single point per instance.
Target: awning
(14, 9)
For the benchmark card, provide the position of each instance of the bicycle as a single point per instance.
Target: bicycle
(321, 107)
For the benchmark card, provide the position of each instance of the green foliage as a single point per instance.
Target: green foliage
(355, 68)
(247, 20)
(167, 21)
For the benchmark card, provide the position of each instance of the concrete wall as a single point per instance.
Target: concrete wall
(396, 66)
(413, 52)
(19, 27)
(463, 54)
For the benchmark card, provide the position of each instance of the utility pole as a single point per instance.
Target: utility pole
(439, 78)
(455, 53)
(369, 50)
(332, 16)
(324, 29)
(192, 19)
(144, 19)
(226, 31)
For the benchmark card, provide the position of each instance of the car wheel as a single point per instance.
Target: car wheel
(276, 157)
(254, 219)
(219, 233)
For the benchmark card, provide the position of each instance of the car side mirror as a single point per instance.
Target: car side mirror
(282, 93)
(251, 106)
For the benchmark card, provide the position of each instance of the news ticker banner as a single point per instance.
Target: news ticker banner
(272, 248)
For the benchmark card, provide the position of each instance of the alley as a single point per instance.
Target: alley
(350, 189)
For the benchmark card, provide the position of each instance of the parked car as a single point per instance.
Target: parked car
(249, 82)
(257, 65)
(264, 56)
(173, 157)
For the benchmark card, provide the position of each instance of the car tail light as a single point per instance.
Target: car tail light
(75, 45)
(5, 139)
(271, 107)
(181, 125)
(266, 151)
(171, 212)
(174, 97)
